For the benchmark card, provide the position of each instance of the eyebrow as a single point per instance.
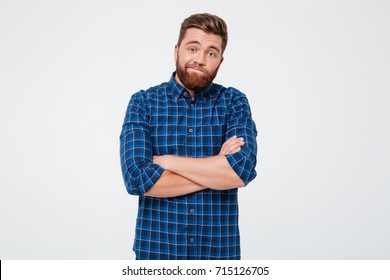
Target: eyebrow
(198, 43)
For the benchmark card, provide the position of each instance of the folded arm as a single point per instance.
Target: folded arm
(168, 176)
(234, 166)
(212, 172)
(172, 185)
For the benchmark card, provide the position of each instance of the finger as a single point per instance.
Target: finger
(236, 143)
(231, 145)
(235, 147)
(231, 139)
(224, 150)
(236, 150)
(227, 143)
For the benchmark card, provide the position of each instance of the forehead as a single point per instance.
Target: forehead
(203, 38)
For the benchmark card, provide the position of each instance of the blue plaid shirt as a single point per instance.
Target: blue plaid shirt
(165, 120)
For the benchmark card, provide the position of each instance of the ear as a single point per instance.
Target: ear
(176, 51)
(220, 62)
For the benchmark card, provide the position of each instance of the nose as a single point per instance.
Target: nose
(200, 58)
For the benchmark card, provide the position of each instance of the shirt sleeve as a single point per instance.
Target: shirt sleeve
(136, 153)
(242, 125)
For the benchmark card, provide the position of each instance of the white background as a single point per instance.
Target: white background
(315, 72)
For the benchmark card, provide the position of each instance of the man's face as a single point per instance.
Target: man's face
(198, 59)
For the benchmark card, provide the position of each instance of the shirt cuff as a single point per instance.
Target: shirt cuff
(241, 165)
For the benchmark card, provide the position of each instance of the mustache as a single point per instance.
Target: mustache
(195, 66)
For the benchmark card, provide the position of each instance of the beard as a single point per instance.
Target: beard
(194, 81)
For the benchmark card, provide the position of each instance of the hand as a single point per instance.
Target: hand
(157, 160)
(161, 160)
(232, 145)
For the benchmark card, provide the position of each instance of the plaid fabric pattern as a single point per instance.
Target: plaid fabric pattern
(165, 120)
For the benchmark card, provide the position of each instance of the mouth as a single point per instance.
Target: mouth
(196, 69)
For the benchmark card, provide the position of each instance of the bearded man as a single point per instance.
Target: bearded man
(186, 147)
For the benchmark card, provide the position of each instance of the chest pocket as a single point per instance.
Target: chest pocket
(213, 135)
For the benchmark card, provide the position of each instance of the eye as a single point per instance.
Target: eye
(192, 49)
(211, 54)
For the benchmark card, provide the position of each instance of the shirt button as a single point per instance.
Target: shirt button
(204, 98)
(185, 94)
(191, 240)
(192, 105)
(190, 130)
(192, 210)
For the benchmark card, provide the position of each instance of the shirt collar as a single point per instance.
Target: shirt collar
(179, 90)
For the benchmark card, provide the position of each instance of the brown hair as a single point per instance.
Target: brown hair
(208, 23)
